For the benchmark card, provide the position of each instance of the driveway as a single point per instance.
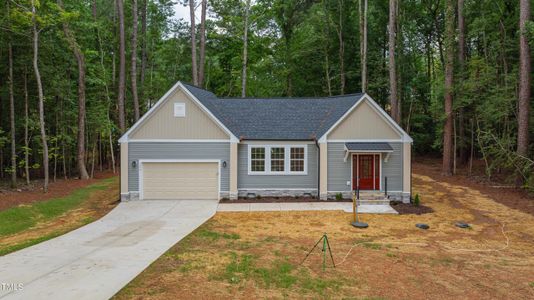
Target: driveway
(97, 260)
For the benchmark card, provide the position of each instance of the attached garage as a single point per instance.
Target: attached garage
(182, 180)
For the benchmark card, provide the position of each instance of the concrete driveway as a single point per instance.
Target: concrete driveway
(97, 260)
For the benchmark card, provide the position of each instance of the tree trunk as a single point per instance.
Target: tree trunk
(133, 68)
(26, 136)
(341, 49)
(395, 109)
(449, 62)
(461, 62)
(524, 83)
(143, 50)
(12, 118)
(194, 69)
(363, 43)
(245, 48)
(122, 67)
(202, 61)
(80, 59)
(40, 93)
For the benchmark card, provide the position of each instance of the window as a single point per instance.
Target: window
(257, 159)
(297, 159)
(277, 159)
(179, 109)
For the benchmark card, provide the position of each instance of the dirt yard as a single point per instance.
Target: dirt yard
(259, 255)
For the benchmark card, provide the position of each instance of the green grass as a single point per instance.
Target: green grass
(531, 284)
(213, 235)
(20, 218)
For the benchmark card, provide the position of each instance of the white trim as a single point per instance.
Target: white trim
(404, 136)
(125, 139)
(177, 141)
(261, 143)
(367, 141)
(287, 159)
(276, 189)
(142, 161)
(347, 152)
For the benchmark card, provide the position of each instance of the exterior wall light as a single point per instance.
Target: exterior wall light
(134, 164)
(224, 164)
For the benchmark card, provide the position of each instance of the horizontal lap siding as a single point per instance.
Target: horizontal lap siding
(246, 181)
(339, 170)
(152, 150)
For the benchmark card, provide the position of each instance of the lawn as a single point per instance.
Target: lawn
(259, 255)
(29, 224)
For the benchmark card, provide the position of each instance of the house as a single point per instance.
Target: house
(193, 145)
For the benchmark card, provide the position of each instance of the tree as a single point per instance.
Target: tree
(202, 62)
(363, 43)
(194, 69)
(143, 48)
(80, 60)
(133, 68)
(449, 63)
(12, 113)
(122, 68)
(245, 45)
(525, 78)
(35, 42)
(461, 63)
(393, 94)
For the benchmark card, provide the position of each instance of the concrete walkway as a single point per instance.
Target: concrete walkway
(305, 206)
(97, 260)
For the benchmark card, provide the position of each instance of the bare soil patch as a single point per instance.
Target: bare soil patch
(498, 190)
(258, 254)
(26, 194)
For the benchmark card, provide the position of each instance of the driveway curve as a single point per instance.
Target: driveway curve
(97, 260)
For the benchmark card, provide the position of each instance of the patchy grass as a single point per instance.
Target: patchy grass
(260, 255)
(30, 224)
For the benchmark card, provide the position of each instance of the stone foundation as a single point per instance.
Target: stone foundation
(277, 193)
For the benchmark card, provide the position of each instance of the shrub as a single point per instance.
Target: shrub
(416, 200)
(339, 196)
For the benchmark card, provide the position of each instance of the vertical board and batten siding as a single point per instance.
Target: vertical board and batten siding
(246, 181)
(339, 171)
(162, 124)
(190, 150)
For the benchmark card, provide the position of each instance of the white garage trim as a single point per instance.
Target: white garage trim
(141, 161)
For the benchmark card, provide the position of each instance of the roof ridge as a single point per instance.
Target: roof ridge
(291, 98)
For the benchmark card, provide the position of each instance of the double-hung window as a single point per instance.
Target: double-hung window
(277, 160)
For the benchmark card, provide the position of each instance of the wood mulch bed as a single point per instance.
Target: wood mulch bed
(410, 209)
(26, 194)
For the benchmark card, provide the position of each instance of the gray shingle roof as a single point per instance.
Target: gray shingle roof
(372, 147)
(276, 118)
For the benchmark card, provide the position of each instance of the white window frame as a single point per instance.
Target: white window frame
(287, 159)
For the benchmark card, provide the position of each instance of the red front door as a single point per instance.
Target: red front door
(366, 171)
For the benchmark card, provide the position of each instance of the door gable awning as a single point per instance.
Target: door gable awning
(368, 147)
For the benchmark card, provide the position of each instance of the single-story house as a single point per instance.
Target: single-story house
(193, 145)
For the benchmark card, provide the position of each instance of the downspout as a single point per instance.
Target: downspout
(318, 168)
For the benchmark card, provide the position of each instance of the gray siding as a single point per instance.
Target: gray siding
(339, 170)
(154, 150)
(245, 181)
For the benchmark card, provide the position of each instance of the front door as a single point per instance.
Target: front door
(366, 171)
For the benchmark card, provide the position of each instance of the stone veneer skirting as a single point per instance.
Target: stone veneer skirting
(278, 193)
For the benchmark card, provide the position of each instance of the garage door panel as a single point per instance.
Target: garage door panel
(180, 180)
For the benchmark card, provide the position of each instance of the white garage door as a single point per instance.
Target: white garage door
(180, 180)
